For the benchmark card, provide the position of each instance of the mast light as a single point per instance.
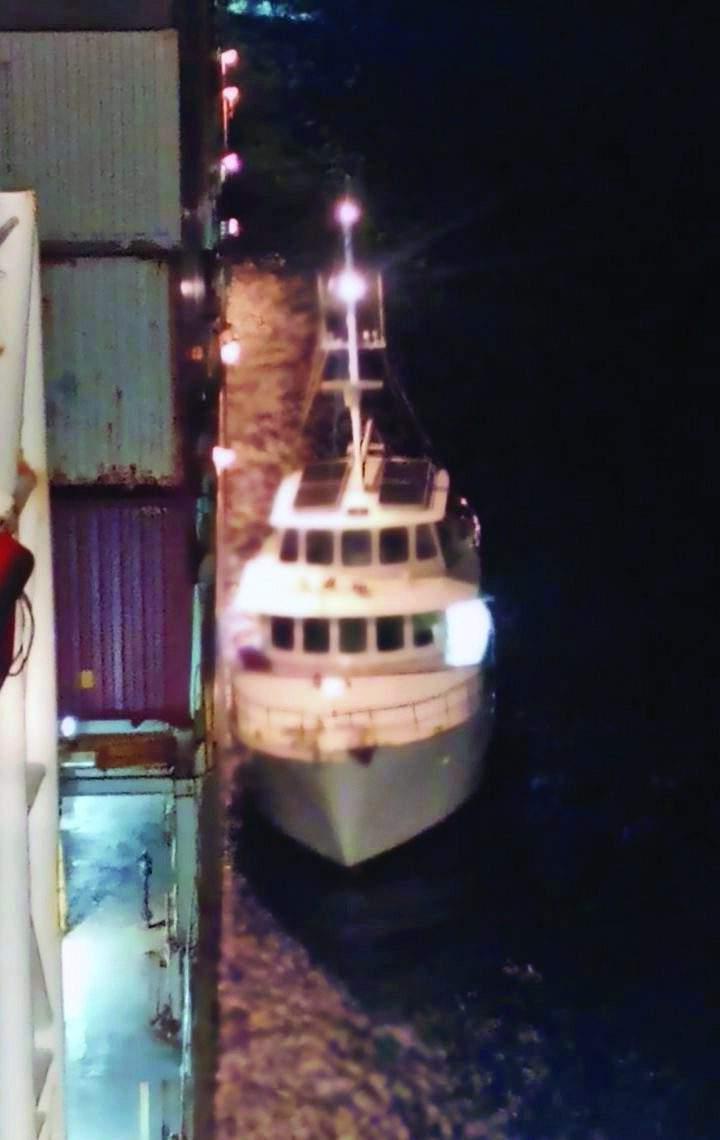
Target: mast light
(347, 212)
(350, 286)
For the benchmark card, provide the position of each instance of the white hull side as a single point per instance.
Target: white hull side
(349, 811)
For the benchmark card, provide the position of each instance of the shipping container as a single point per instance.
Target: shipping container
(69, 15)
(90, 121)
(109, 365)
(123, 601)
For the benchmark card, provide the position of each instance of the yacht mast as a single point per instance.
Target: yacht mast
(351, 288)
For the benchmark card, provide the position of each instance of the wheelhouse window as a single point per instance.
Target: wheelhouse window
(394, 544)
(282, 632)
(290, 546)
(425, 542)
(356, 547)
(316, 635)
(390, 632)
(353, 635)
(319, 547)
(424, 627)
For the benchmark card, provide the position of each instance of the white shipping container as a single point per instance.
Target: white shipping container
(91, 122)
(109, 372)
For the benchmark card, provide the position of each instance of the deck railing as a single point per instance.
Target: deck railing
(337, 727)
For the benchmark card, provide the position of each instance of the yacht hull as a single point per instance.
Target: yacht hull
(353, 806)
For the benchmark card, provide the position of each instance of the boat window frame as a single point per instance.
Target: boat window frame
(328, 533)
(291, 530)
(430, 624)
(370, 546)
(402, 529)
(359, 621)
(291, 623)
(318, 622)
(430, 529)
(399, 619)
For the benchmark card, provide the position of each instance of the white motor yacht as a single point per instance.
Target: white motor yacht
(359, 687)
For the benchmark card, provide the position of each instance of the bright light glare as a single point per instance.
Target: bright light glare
(230, 351)
(231, 95)
(469, 628)
(231, 163)
(223, 458)
(69, 727)
(230, 227)
(332, 687)
(350, 286)
(347, 212)
(228, 58)
(192, 288)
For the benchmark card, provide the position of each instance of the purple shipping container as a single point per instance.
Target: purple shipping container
(123, 603)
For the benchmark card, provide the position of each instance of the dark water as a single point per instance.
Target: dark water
(559, 936)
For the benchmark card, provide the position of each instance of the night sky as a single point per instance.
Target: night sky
(542, 187)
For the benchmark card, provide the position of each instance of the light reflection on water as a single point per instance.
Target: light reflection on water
(525, 936)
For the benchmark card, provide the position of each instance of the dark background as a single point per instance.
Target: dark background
(541, 185)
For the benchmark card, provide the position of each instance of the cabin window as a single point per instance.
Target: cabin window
(319, 547)
(425, 542)
(390, 633)
(356, 547)
(353, 635)
(316, 635)
(282, 632)
(289, 546)
(394, 544)
(423, 627)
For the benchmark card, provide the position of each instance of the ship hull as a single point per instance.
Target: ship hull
(354, 806)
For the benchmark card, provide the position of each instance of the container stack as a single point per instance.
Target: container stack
(90, 118)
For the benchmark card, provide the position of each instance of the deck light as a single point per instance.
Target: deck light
(230, 351)
(192, 288)
(69, 727)
(231, 96)
(350, 286)
(228, 58)
(333, 687)
(469, 629)
(230, 227)
(223, 458)
(230, 163)
(347, 212)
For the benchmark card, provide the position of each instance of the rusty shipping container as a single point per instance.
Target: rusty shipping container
(109, 365)
(90, 121)
(123, 597)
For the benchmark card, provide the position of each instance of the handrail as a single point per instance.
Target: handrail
(348, 714)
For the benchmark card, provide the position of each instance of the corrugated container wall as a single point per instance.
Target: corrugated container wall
(90, 121)
(109, 364)
(123, 593)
